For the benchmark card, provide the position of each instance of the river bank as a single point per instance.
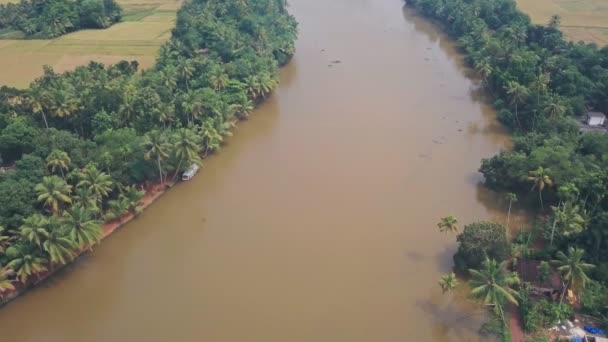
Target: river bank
(153, 192)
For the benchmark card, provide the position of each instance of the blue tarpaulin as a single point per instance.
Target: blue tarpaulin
(594, 330)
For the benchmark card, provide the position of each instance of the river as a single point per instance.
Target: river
(317, 220)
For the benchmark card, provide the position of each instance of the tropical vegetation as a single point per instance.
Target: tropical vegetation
(81, 147)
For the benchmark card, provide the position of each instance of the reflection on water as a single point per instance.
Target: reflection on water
(317, 221)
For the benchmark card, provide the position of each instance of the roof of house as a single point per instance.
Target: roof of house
(596, 115)
(528, 271)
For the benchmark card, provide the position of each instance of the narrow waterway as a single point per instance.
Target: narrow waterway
(317, 221)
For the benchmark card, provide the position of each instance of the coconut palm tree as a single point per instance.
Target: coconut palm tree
(133, 198)
(186, 148)
(83, 197)
(540, 179)
(555, 109)
(484, 69)
(156, 146)
(252, 84)
(117, 208)
(267, 83)
(6, 284)
(64, 103)
(168, 77)
(540, 85)
(218, 78)
(518, 94)
(448, 224)
(59, 247)
(448, 282)
(512, 198)
(210, 138)
(53, 192)
(97, 182)
(58, 160)
(81, 227)
(34, 229)
(573, 269)
(185, 70)
(571, 220)
(38, 100)
(491, 284)
(26, 263)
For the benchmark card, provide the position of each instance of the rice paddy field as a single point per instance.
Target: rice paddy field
(585, 20)
(146, 25)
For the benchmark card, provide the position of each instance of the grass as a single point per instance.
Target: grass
(581, 19)
(146, 25)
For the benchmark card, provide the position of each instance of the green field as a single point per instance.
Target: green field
(585, 20)
(146, 25)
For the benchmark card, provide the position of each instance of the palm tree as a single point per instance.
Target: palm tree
(58, 160)
(39, 100)
(6, 284)
(26, 264)
(186, 147)
(484, 69)
(540, 84)
(83, 197)
(97, 182)
(448, 224)
(570, 219)
(59, 247)
(210, 138)
(491, 284)
(252, 84)
(53, 192)
(517, 95)
(573, 269)
(185, 70)
(81, 227)
(117, 208)
(34, 230)
(267, 83)
(156, 146)
(64, 103)
(448, 282)
(192, 105)
(555, 109)
(555, 21)
(218, 78)
(133, 198)
(512, 198)
(168, 76)
(540, 179)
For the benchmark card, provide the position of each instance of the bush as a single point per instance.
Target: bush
(479, 241)
(594, 298)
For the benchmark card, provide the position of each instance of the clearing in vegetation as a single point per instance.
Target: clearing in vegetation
(584, 20)
(145, 26)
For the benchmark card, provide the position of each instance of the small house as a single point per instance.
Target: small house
(550, 285)
(595, 119)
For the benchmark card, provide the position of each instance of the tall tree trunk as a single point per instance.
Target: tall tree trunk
(553, 228)
(540, 195)
(509, 214)
(160, 171)
(517, 118)
(564, 292)
(62, 174)
(177, 170)
(44, 118)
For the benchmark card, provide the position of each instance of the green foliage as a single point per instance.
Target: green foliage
(84, 142)
(53, 18)
(479, 241)
(594, 299)
(540, 314)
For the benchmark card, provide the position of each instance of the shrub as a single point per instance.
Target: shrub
(479, 241)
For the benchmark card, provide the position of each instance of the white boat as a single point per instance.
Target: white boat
(188, 174)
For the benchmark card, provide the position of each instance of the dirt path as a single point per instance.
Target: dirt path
(517, 331)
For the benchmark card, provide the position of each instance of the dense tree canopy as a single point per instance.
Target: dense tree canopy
(53, 18)
(79, 146)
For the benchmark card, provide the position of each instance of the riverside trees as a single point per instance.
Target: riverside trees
(101, 120)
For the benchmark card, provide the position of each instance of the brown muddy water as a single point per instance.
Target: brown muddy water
(317, 221)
